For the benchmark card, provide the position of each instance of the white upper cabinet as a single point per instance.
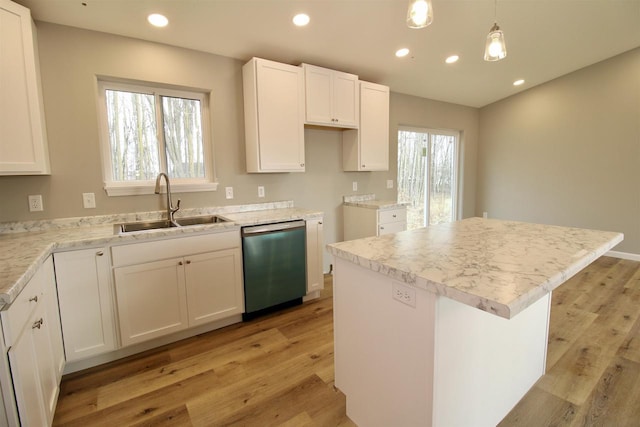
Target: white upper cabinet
(23, 140)
(367, 148)
(273, 116)
(331, 97)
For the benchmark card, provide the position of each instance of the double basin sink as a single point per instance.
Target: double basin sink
(129, 227)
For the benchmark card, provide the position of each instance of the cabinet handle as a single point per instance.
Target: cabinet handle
(301, 165)
(34, 299)
(381, 228)
(188, 262)
(394, 215)
(37, 324)
(364, 166)
(319, 222)
(179, 262)
(99, 253)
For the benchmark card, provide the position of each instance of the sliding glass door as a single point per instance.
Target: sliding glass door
(428, 175)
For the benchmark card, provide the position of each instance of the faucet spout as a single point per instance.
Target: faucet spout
(170, 209)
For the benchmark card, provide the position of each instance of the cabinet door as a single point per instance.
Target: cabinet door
(214, 285)
(318, 95)
(23, 358)
(374, 127)
(367, 148)
(274, 116)
(23, 144)
(315, 251)
(86, 303)
(151, 300)
(47, 275)
(345, 104)
(331, 97)
(41, 329)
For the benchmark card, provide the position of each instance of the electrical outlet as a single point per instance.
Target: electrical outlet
(485, 215)
(355, 185)
(404, 294)
(35, 203)
(228, 191)
(389, 183)
(89, 200)
(260, 191)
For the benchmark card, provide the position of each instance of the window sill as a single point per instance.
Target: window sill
(144, 188)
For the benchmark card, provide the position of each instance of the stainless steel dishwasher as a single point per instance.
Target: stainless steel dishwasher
(274, 262)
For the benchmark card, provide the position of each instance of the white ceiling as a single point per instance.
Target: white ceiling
(545, 38)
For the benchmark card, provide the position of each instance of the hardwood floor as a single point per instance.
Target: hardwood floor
(593, 360)
(278, 370)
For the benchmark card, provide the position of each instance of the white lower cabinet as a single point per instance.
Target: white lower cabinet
(212, 285)
(392, 221)
(162, 296)
(33, 341)
(315, 248)
(83, 278)
(362, 222)
(152, 300)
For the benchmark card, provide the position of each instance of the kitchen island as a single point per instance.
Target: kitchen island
(447, 325)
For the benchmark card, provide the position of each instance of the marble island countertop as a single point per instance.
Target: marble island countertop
(24, 246)
(500, 267)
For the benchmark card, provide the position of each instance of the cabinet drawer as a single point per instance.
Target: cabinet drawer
(137, 253)
(391, 227)
(392, 215)
(14, 318)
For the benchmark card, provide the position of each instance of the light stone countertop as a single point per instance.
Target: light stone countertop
(501, 267)
(369, 201)
(25, 246)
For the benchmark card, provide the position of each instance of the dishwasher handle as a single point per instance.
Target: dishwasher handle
(270, 228)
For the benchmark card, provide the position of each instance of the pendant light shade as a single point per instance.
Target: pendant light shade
(495, 48)
(420, 13)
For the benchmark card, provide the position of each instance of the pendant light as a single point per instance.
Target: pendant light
(420, 13)
(495, 48)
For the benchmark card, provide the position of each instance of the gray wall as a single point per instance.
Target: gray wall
(567, 152)
(70, 60)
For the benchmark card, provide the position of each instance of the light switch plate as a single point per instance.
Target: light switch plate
(354, 185)
(228, 192)
(260, 191)
(389, 183)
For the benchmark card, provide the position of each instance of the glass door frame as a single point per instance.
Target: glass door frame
(455, 184)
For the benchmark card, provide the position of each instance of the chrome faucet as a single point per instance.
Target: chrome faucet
(170, 209)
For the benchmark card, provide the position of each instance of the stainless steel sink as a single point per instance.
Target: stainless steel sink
(199, 220)
(129, 227)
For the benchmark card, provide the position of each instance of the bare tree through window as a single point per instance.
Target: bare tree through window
(151, 130)
(427, 175)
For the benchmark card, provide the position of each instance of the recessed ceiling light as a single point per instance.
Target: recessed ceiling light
(157, 20)
(452, 59)
(402, 52)
(518, 82)
(301, 19)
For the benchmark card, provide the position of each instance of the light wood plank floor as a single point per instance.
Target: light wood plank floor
(278, 370)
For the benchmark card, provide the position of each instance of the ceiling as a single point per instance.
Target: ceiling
(545, 38)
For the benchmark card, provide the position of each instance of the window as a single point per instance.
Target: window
(147, 130)
(428, 175)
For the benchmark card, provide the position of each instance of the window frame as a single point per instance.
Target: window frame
(178, 185)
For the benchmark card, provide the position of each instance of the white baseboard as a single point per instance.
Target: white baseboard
(624, 255)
